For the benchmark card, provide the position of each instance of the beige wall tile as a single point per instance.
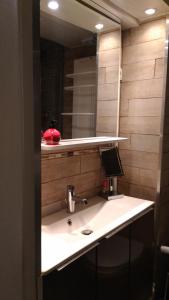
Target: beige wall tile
(124, 107)
(101, 75)
(141, 107)
(104, 133)
(123, 187)
(143, 142)
(52, 208)
(109, 58)
(107, 108)
(112, 74)
(151, 88)
(138, 191)
(110, 40)
(141, 52)
(135, 190)
(56, 190)
(88, 181)
(142, 192)
(88, 194)
(139, 159)
(108, 74)
(145, 107)
(138, 71)
(106, 124)
(140, 125)
(125, 144)
(59, 168)
(142, 177)
(149, 31)
(108, 91)
(148, 178)
(90, 162)
(132, 174)
(159, 68)
(139, 176)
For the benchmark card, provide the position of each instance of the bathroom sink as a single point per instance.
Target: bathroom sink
(94, 217)
(63, 234)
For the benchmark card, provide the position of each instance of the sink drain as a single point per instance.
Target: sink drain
(87, 231)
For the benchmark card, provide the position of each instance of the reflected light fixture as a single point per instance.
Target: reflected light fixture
(54, 5)
(99, 26)
(150, 11)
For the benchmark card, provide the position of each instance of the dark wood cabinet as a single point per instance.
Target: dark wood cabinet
(142, 257)
(113, 267)
(120, 267)
(76, 281)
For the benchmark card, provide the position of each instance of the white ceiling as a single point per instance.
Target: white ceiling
(77, 14)
(131, 12)
(62, 32)
(69, 23)
(136, 8)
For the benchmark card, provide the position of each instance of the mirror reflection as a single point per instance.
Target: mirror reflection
(69, 67)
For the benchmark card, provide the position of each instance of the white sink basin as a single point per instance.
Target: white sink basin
(60, 240)
(86, 218)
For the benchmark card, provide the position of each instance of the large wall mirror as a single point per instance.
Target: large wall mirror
(79, 70)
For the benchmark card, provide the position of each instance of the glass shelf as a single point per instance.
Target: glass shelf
(81, 142)
(80, 74)
(77, 114)
(71, 88)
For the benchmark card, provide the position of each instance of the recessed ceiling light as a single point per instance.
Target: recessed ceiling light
(150, 11)
(53, 5)
(99, 26)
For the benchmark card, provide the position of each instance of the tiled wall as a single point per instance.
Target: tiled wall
(140, 119)
(109, 57)
(141, 105)
(82, 169)
(162, 215)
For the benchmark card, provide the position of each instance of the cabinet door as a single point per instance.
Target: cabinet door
(74, 282)
(113, 267)
(142, 257)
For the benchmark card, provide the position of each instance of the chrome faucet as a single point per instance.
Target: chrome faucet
(71, 199)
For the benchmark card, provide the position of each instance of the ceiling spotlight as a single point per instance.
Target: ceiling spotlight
(99, 26)
(53, 5)
(150, 11)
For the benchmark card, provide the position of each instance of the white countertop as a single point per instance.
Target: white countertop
(61, 242)
(81, 142)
